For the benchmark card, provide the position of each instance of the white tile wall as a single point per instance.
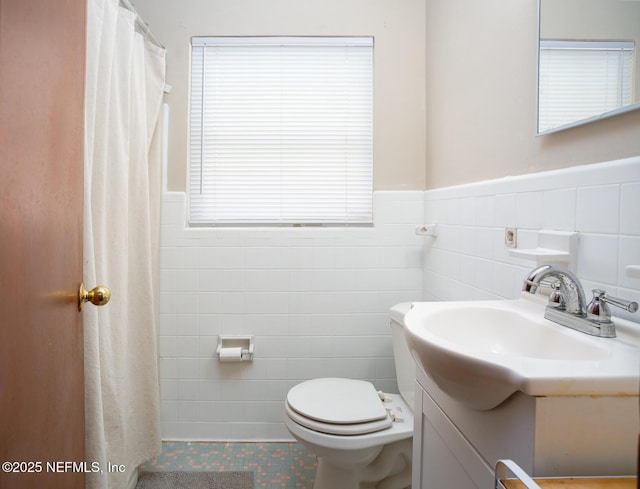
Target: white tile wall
(316, 301)
(468, 260)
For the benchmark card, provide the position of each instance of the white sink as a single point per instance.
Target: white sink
(481, 352)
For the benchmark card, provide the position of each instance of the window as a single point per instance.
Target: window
(581, 79)
(281, 131)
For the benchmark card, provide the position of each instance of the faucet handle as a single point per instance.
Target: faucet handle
(598, 308)
(556, 298)
(629, 306)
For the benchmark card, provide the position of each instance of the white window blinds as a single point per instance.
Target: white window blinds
(581, 79)
(281, 131)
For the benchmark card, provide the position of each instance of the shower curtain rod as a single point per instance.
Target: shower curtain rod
(141, 24)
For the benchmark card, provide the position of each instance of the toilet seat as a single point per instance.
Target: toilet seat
(337, 407)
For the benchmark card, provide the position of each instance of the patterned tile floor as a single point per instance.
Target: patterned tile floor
(275, 465)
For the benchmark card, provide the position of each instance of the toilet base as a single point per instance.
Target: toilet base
(387, 467)
(330, 476)
(391, 469)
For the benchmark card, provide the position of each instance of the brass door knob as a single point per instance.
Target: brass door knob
(98, 296)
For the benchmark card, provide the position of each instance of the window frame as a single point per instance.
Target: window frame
(362, 172)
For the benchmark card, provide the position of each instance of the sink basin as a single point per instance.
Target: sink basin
(499, 330)
(481, 352)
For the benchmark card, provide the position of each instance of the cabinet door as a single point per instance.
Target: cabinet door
(447, 460)
(440, 466)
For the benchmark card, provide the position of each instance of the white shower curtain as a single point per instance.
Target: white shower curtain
(124, 87)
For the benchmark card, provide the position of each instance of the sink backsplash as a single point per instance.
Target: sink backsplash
(469, 260)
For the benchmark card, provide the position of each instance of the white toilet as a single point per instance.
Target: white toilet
(362, 437)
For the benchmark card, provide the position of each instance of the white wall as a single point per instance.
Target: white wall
(475, 120)
(469, 260)
(316, 301)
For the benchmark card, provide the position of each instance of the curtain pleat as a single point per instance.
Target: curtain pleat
(125, 78)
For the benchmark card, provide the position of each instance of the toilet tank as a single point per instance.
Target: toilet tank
(405, 366)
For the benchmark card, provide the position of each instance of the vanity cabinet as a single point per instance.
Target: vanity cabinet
(456, 447)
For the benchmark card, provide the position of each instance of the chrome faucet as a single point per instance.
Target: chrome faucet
(570, 289)
(567, 304)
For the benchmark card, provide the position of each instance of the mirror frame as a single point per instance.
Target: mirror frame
(581, 122)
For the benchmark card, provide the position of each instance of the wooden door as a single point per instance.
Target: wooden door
(42, 70)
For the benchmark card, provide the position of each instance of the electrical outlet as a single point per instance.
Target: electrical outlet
(510, 237)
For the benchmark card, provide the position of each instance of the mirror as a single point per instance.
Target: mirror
(588, 61)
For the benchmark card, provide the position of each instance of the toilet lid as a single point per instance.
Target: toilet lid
(339, 429)
(338, 401)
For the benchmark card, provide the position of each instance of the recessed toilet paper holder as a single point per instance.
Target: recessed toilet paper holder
(235, 348)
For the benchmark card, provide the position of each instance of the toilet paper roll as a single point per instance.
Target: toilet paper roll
(233, 354)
